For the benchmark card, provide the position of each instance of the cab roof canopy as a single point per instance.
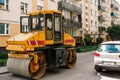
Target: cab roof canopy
(43, 12)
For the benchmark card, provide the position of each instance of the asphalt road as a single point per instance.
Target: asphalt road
(83, 70)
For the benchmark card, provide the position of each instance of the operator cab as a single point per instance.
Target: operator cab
(48, 21)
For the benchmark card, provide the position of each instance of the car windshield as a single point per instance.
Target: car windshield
(109, 48)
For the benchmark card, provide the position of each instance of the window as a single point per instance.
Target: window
(53, 0)
(86, 13)
(95, 13)
(63, 0)
(57, 22)
(39, 7)
(86, 25)
(86, 1)
(4, 29)
(91, 23)
(48, 21)
(4, 4)
(96, 2)
(91, 1)
(74, 33)
(80, 33)
(24, 24)
(96, 24)
(91, 12)
(24, 7)
(25, 28)
(38, 22)
(86, 20)
(57, 27)
(86, 8)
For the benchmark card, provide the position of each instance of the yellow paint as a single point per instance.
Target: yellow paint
(12, 55)
(69, 37)
(30, 41)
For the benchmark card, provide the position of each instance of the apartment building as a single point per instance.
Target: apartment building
(94, 19)
(47, 4)
(104, 17)
(89, 19)
(108, 15)
(71, 11)
(10, 12)
(115, 12)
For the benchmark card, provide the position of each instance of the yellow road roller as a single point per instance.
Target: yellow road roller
(41, 44)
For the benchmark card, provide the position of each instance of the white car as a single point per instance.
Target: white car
(107, 56)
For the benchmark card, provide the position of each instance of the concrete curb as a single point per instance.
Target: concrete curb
(3, 70)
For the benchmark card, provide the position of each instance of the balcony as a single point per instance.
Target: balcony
(114, 7)
(62, 5)
(67, 23)
(77, 24)
(113, 14)
(112, 22)
(70, 23)
(102, 18)
(78, 40)
(101, 7)
(101, 29)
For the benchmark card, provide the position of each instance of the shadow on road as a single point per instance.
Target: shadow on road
(111, 74)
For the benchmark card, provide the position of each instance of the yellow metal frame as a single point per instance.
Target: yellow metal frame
(37, 37)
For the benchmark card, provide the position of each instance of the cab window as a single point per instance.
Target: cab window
(48, 21)
(38, 23)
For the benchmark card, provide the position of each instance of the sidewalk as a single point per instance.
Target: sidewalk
(3, 70)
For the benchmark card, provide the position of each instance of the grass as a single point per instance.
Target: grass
(3, 58)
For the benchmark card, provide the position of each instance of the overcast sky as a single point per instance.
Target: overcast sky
(118, 1)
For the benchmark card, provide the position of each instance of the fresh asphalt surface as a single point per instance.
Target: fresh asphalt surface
(83, 70)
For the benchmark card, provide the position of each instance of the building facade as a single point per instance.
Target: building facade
(109, 12)
(80, 17)
(115, 12)
(89, 18)
(71, 11)
(10, 17)
(97, 16)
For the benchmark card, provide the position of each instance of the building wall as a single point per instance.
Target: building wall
(14, 29)
(107, 16)
(94, 19)
(116, 10)
(12, 18)
(53, 5)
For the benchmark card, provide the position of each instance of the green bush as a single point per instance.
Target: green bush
(78, 49)
(86, 48)
(4, 55)
(3, 58)
(88, 41)
(3, 62)
(81, 49)
(99, 40)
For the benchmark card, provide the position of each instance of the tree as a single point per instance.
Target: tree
(114, 32)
